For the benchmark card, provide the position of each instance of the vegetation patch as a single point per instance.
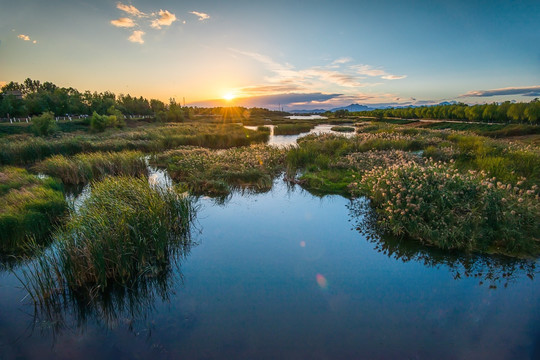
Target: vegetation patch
(217, 172)
(30, 208)
(343, 128)
(437, 205)
(126, 229)
(293, 129)
(82, 168)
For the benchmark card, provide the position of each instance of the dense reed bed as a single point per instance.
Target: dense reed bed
(125, 229)
(82, 168)
(31, 206)
(217, 172)
(293, 129)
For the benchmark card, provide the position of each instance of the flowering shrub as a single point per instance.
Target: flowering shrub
(436, 205)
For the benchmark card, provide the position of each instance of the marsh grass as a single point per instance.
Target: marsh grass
(293, 129)
(124, 230)
(218, 172)
(30, 208)
(151, 138)
(82, 168)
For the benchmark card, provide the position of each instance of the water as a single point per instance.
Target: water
(286, 275)
(306, 117)
(288, 140)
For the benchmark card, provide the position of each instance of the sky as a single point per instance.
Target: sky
(290, 54)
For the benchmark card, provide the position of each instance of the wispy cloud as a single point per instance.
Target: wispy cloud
(202, 16)
(136, 37)
(342, 60)
(123, 22)
(374, 72)
(130, 9)
(524, 91)
(166, 18)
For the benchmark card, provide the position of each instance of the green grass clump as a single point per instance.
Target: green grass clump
(437, 205)
(30, 208)
(293, 129)
(216, 173)
(82, 168)
(125, 229)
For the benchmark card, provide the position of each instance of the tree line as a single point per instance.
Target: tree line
(506, 112)
(31, 98)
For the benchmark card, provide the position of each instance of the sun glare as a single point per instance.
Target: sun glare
(228, 96)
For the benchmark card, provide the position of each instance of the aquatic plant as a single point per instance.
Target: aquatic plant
(31, 206)
(82, 168)
(293, 129)
(125, 229)
(216, 173)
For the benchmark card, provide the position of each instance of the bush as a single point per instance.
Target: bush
(45, 124)
(436, 205)
(98, 123)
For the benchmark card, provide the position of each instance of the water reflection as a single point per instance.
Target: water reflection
(118, 305)
(490, 270)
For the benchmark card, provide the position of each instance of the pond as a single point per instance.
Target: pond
(285, 274)
(288, 140)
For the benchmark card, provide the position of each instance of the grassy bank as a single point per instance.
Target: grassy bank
(30, 208)
(82, 168)
(150, 138)
(125, 229)
(217, 172)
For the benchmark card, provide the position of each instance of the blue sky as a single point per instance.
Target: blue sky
(300, 54)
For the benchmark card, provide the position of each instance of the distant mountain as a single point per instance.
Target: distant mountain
(353, 108)
(314, 111)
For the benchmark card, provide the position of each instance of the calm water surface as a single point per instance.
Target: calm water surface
(287, 140)
(286, 275)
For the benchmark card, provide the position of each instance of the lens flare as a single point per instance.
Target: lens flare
(321, 280)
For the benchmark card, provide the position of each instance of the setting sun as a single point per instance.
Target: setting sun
(228, 96)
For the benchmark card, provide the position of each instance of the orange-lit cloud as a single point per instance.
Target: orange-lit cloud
(123, 22)
(136, 37)
(166, 18)
(130, 9)
(24, 37)
(202, 16)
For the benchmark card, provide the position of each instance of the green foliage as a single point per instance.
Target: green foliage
(504, 112)
(98, 123)
(437, 205)
(44, 124)
(216, 173)
(82, 168)
(30, 208)
(293, 129)
(124, 230)
(343, 128)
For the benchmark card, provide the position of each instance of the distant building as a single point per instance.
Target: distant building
(16, 93)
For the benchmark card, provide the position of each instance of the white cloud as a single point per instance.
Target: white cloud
(24, 37)
(165, 19)
(370, 71)
(202, 16)
(130, 9)
(123, 22)
(136, 37)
